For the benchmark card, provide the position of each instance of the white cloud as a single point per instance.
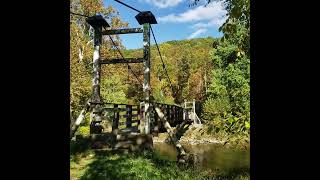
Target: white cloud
(197, 33)
(213, 23)
(214, 12)
(164, 3)
(204, 17)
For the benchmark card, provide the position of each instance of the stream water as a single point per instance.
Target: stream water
(213, 156)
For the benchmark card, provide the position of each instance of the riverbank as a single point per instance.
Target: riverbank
(145, 165)
(199, 135)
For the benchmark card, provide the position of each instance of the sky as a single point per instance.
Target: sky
(176, 20)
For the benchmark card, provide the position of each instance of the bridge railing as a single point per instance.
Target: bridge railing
(173, 113)
(122, 115)
(125, 116)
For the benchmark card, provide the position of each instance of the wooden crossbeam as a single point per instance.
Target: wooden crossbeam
(126, 60)
(122, 31)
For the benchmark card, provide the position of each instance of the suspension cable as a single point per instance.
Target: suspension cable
(129, 67)
(163, 64)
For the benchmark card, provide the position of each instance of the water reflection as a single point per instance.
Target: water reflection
(211, 156)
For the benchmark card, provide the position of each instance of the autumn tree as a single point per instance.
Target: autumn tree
(81, 51)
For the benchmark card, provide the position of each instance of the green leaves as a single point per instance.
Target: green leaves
(247, 125)
(230, 78)
(83, 130)
(114, 89)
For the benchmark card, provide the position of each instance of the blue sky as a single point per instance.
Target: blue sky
(176, 20)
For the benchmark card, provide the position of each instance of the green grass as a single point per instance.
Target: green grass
(87, 164)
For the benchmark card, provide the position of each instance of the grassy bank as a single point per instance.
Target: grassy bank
(90, 164)
(204, 135)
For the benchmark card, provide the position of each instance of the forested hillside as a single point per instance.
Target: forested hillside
(214, 72)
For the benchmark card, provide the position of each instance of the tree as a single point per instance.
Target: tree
(228, 103)
(81, 50)
(238, 14)
(183, 78)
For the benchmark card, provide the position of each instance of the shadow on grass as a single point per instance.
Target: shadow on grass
(79, 148)
(81, 145)
(117, 165)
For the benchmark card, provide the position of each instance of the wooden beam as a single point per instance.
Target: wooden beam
(122, 31)
(126, 60)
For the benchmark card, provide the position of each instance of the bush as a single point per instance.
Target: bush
(84, 131)
(215, 107)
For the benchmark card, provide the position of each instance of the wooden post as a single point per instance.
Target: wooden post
(115, 122)
(96, 65)
(129, 116)
(146, 80)
(96, 99)
(139, 115)
(194, 110)
(142, 122)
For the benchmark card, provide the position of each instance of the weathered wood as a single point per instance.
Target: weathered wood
(142, 119)
(122, 31)
(139, 115)
(95, 115)
(126, 60)
(96, 66)
(115, 122)
(146, 78)
(129, 116)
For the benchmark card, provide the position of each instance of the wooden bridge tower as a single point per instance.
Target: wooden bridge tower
(97, 22)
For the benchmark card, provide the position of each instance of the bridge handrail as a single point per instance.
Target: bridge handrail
(104, 103)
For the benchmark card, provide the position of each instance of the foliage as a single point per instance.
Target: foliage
(238, 13)
(228, 103)
(114, 89)
(186, 70)
(229, 91)
(83, 130)
(81, 50)
(216, 107)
